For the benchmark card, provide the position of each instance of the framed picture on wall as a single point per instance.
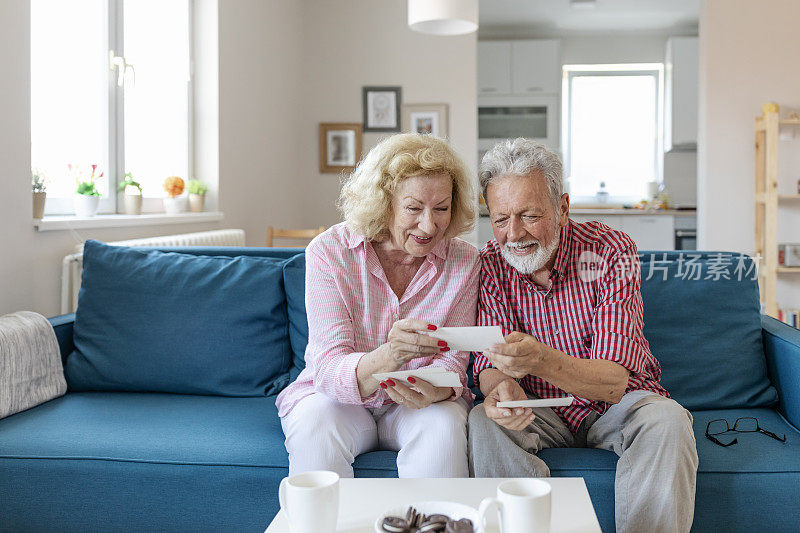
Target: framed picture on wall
(381, 108)
(339, 146)
(429, 119)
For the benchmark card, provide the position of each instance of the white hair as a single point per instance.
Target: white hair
(522, 156)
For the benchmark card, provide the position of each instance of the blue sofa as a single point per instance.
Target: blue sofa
(122, 460)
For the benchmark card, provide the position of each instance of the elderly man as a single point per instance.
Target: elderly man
(568, 298)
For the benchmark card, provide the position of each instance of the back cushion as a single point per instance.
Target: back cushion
(294, 279)
(172, 322)
(702, 319)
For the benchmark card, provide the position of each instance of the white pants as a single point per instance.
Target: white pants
(322, 434)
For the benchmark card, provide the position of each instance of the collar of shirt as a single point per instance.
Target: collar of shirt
(564, 252)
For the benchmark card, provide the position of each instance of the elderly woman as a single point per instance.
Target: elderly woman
(377, 287)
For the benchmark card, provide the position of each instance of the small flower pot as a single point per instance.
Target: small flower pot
(85, 205)
(133, 204)
(174, 206)
(197, 203)
(38, 204)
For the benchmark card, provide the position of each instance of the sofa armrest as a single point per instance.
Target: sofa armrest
(782, 349)
(63, 327)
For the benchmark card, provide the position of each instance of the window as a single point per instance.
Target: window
(612, 123)
(110, 86)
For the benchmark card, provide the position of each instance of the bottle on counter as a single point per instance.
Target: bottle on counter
(602, 193)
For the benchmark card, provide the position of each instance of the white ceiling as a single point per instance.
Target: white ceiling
(558, 17)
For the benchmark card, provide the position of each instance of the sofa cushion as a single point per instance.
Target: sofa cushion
(706, 332)
(294, 279)
(735, 485)
(180, 462)
(149, 428)
(171, 322)
(188, 463)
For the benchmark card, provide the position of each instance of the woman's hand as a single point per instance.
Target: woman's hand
(405, 343)
(420, 396)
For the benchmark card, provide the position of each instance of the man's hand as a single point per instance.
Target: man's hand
(520, 356)
(514, 419)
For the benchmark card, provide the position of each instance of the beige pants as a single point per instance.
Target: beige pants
(652, 435)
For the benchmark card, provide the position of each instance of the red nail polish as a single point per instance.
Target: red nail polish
(442, 343)
(390, 382)
(444, 349)
(383, 385)
(411, 379)
(431, 327)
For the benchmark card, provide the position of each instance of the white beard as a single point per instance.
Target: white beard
(528, 264)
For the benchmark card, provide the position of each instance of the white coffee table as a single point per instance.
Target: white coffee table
(362, 500)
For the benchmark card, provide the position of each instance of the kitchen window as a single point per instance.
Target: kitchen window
(110, 86)
(612, 119)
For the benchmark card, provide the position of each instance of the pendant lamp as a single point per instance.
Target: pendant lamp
(443, 17)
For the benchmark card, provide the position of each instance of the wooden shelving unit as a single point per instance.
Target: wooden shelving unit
(767, 201)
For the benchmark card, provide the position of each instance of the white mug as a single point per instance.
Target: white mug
(523, 506)
(653, 188)
(310, 501)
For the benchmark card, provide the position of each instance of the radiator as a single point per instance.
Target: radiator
(72, 264)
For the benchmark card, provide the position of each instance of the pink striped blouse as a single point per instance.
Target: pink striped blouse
(351, 308)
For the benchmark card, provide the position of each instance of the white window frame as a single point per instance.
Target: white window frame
(115, 145)
(631, 69)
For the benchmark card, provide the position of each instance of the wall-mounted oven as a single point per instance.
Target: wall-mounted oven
(508, 117)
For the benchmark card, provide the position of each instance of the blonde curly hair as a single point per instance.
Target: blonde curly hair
(366, 197)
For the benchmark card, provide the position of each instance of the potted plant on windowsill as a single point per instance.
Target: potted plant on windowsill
(39, 193)
(87, 197)
(197, 195)
(133, 194)
(173, 186)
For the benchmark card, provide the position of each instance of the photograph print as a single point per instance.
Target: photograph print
(381, 109)
(427, 119)
(339, 146)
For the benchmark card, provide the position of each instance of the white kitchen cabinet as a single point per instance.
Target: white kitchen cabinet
(681, 94)
(612, 221)
(494, 68)
(655, 232)
(535, 67)
(525, 67)
(484, 231)
(650, 233)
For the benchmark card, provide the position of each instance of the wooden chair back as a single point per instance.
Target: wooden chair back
(276, 233)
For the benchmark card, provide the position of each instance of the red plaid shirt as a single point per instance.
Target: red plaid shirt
(588, 312)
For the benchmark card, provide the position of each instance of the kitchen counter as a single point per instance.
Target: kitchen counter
(605, 211)
(648, 212)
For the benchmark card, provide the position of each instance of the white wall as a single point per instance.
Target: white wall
(284, 66)
(349, 44)
(257, 77)
(631, 48)
(260, 64)
(748, 57)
